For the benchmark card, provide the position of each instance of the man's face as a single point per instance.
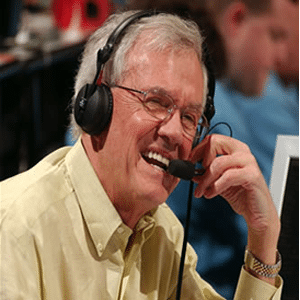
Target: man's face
(258, 45)
(133, 133)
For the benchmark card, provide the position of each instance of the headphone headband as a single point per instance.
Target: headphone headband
(114, 38)
(105, 53)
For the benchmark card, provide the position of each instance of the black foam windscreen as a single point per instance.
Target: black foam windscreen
(182, 168)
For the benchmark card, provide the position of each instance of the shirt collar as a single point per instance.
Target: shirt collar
(100, 215)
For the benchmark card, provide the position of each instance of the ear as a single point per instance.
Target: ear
(233, 18)
(93, 143)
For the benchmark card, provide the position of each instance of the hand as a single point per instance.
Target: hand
(235, 176)
(233, 173)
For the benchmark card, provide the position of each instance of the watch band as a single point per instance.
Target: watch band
(270, 271)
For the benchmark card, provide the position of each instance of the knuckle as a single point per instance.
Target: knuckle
(253, 174)
(246, 148)
(216, 166)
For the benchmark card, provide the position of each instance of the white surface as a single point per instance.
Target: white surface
(287, 146)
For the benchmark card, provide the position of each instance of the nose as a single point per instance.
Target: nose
(171, 129)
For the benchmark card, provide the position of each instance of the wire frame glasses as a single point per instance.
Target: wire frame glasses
(160, 105)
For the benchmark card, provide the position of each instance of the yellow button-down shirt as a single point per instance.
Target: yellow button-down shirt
(61, 238)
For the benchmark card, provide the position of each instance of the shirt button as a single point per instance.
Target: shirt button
(100, 248)
(120, 230)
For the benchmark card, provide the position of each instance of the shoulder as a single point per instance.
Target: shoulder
(25, 197)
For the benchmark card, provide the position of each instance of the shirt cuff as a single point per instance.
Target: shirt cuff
(250, 287)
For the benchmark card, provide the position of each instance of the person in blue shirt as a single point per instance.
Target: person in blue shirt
(258, 120)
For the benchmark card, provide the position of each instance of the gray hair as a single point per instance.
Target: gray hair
(163, 31)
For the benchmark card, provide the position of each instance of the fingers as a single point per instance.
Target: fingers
(224, 171)
(224, 186)
(214, 145)
(234, 168)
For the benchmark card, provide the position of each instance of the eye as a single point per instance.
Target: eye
(157, 102)
(203, 122)
(192, 116)
(190, 119)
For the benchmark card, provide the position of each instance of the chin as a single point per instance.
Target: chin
(152, 183)
(253, 90)
(154, 194)
(157, 195)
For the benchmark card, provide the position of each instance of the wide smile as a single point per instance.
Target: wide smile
(157, 160)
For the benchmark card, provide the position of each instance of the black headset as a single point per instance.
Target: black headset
(94, 103)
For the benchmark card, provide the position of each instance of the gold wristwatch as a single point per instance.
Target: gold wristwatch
(256, 266)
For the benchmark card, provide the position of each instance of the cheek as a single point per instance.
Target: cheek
(185, 151)
(264, 49)
(129, 112)
(130, 124)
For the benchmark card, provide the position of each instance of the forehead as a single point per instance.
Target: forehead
(270, 23)
(178, 72)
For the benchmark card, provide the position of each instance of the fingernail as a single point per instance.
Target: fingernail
(208, 194)
(198, 194)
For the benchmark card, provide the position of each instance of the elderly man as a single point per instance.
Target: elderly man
(90, 222)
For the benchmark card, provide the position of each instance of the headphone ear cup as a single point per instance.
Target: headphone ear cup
(93, 108)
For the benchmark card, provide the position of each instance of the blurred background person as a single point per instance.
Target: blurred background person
(289, 69)
(246, 40)
(266, 105)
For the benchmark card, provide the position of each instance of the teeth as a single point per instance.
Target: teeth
(158, 157)
(157, 167)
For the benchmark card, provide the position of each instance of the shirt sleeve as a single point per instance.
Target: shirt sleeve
(19, 276)
(250, 287)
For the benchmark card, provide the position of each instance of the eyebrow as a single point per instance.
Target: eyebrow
(199, 107)
(176, 99)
